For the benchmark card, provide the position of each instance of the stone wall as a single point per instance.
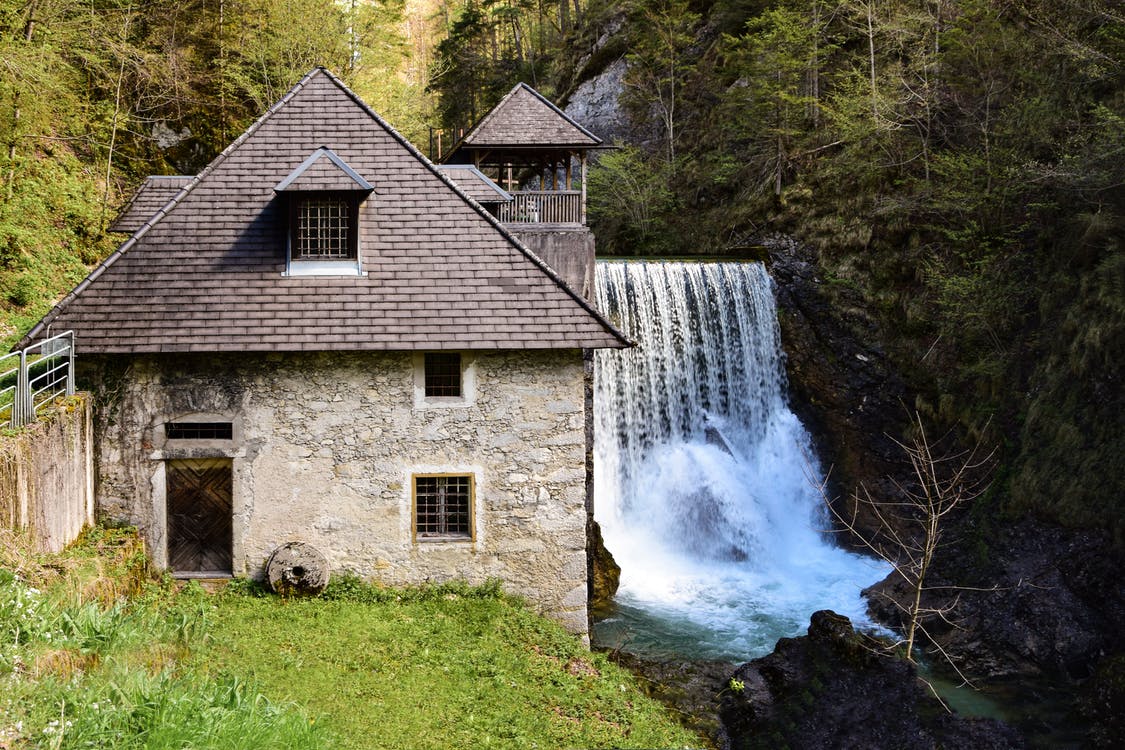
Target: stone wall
(324, 450)
(46, 475)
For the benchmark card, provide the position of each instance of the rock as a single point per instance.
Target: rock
(1047, 605)
(605, 574)
(297, 569)
(690, 688)
(595, 103)
(841, 383)
(834, 688)
(1102, 704)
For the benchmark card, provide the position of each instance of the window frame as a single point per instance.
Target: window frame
(468, 381)
(298, 265)
(430, 537)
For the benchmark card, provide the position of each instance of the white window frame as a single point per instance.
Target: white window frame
(468, 395)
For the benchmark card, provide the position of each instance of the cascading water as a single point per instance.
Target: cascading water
(701, 481)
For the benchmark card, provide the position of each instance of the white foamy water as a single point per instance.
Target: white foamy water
(701, 484)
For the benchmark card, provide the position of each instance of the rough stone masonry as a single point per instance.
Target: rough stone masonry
(324, 447)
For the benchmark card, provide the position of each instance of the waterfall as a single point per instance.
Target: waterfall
(702, 471)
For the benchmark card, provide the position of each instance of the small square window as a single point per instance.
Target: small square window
(443, 374)
(443, 506)
(324, 230)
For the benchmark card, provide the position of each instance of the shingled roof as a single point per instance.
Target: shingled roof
(525, 118)
(207, 272)
(152, 195)
(475, 183)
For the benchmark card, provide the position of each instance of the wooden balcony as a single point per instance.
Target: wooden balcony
(543, 207)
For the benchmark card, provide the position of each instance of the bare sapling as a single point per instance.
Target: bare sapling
(908, 530)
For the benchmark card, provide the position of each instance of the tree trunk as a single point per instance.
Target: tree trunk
(28, 32)
(116, 115)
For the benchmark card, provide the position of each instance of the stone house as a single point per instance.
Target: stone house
(321, 338)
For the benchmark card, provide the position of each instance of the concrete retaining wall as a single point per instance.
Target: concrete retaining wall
(568, 250)
(47, 474)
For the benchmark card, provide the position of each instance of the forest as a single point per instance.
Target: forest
(959, 165)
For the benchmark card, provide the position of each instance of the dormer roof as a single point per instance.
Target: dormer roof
(323, 170)
(525, 118)
(150, 197)
(207, 272)
(475, 183)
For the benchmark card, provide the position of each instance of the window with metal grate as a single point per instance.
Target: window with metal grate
(443, 374)
(443, 506)
(324, 230)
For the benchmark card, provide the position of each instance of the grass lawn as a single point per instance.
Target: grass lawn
(93, 654)
(438, 668)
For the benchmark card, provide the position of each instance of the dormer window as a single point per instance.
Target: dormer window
(324, 198)
(324, 227)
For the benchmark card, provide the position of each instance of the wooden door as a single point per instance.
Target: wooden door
(199, 516)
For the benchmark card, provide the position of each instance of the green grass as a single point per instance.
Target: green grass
(436, 668)
(93, 653)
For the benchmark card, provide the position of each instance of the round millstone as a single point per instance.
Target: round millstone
(297, 569)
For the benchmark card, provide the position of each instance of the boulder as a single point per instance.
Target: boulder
(835, 688)
(605, 573)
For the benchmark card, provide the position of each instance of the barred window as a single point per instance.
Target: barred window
(198, 430)
(443, 505)
(325, 229)
(443, 374)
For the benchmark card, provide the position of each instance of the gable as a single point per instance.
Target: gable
(323, 171)
(524, 118)
(438, 272)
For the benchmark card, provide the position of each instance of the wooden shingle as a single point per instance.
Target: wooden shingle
(524, 118)
(150, 197)
(208, 272)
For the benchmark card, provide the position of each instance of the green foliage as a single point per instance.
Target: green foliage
(349, 587)
(630, 202)
(85, 665)
(660, 66)
(489, 46)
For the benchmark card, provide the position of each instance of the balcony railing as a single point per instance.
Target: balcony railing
(543, 207)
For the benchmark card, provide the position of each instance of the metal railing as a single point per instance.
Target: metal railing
(543, 207)
(34, 377)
